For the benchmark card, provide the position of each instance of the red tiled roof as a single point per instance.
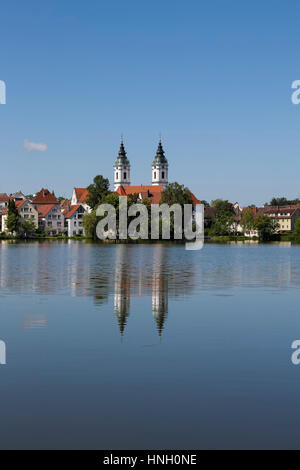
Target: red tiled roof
(153, 193)
(43, 210)
(45, 197)
(82, 194)
(69, 213)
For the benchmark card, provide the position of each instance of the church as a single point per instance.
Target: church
(160, 167)
(122, 183)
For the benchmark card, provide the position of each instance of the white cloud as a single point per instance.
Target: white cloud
(40, 147)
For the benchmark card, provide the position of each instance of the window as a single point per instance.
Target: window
(117, 175)
(162, 174)
(124, 175)
(155, 175)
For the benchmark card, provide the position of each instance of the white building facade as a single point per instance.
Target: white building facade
(121, 169)
(73, 220)
(160, 168)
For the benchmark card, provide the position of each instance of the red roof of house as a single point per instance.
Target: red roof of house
(82, 194)
(43, 210)
(69, 213)
(153, 193)
(45, 197)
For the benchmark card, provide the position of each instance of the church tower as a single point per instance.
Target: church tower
(160, 168)
(121, 168)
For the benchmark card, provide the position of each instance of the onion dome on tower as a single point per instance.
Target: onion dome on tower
(121, 168)
(160, 168)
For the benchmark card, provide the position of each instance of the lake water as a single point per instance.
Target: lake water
(149, 346)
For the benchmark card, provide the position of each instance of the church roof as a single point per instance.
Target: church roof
(153, 193)
(160, 158)
(122, 158)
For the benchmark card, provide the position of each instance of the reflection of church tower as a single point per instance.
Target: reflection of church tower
(122, 286)
(121, 168)
(160, 168)
(159, 287)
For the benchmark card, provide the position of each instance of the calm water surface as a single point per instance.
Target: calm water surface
(149, 346)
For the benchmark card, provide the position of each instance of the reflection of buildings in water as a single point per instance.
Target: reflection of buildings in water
(122, 285)
(159, 287)
(133, 280)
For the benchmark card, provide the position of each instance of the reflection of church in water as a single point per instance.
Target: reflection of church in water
(131, 281)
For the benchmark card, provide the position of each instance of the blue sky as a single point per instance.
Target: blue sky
(213, 77)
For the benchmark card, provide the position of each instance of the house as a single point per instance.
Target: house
(27, 212)
(80, 196)
(51, 219)
(18, 196)
(73, 220)
(4, 198)
(44, 197)
(286, 216)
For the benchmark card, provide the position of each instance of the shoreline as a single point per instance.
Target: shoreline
(222, 240)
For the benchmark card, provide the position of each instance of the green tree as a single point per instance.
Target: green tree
(283, 201)
(266, 226)
(247, 219)
(297, 230)
(89, 222)
(28, 227)
(223, 217)
(97, 191)
(12, 222)
(176, 193)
